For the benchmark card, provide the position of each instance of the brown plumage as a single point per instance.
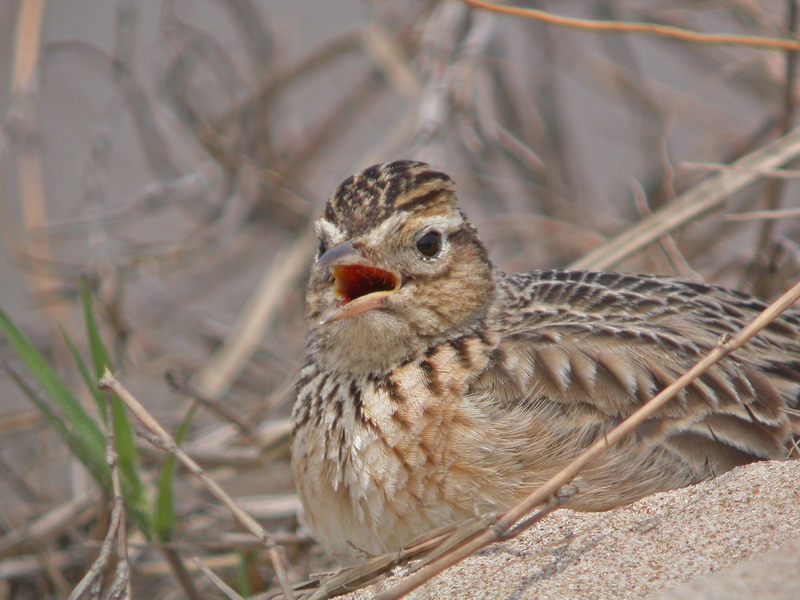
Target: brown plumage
(437, 388)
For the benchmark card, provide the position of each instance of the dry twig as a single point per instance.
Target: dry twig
(221, 585)
(702, 198)
(108, 381)
(667, 31)
(120, 587)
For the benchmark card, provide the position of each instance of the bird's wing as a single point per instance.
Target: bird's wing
(599, 345)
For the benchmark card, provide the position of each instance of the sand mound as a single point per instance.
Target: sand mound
(711, 540)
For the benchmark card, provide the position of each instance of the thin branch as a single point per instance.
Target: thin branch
(668, 31)
(777, 173)
(68, 515)
(217, 581)
(22, 125)
(218, 374)
(108, 381)
(776, 188)
(182, 384)
(702, 198)
(121, 585)
(786, 213)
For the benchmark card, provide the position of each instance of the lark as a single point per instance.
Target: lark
(438, 388)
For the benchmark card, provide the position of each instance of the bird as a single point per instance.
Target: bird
(437, 388)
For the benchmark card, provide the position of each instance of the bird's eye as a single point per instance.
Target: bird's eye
(321, 248)
(430, 244)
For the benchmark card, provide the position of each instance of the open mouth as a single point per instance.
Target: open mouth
(359, 289)
(357, 281)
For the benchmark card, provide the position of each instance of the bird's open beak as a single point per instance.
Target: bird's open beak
(358, 286)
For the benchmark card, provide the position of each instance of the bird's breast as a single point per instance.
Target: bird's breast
(380, 459)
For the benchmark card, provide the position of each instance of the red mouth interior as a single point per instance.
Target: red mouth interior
(354, 281)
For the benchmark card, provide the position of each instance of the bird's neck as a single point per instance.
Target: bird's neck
(375, 343)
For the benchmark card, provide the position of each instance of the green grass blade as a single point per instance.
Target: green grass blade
(242, 576)
(133, 488)
(91, 382)
(81, 423)
(97, 349)
(94, 463)
(164, 518)
(135, 499)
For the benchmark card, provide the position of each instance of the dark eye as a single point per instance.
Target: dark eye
(321, 248)
(430, 244)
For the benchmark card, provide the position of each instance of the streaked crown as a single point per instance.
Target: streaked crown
(374, 194)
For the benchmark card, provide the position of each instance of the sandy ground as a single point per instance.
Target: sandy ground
(729, 528)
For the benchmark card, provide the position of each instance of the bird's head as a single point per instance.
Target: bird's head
(399, 268)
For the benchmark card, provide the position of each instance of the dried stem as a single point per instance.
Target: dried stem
(218, 374)
(667, 31)
(42, 278)
(702, 198)
(121, 585)
(108, 381)
(221, 585)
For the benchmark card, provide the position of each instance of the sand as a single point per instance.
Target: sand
(725, 527)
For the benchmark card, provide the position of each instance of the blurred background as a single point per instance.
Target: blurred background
(174, 154)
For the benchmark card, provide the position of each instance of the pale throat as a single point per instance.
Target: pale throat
(368, 344)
